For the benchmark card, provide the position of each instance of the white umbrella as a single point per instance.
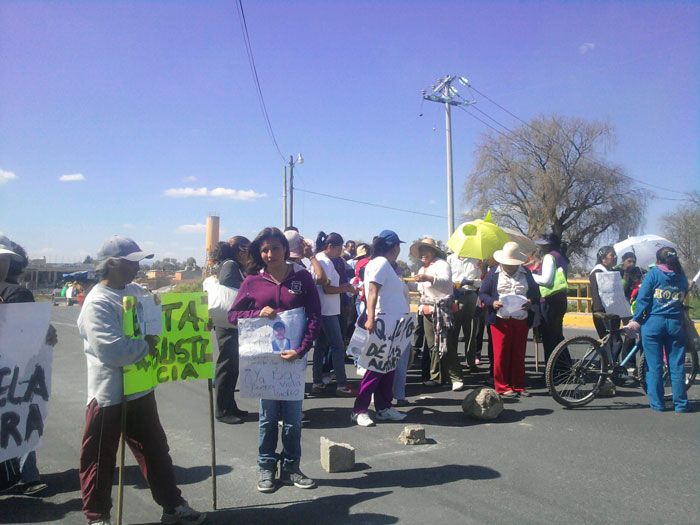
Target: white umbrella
(526, 244)
(644, 248)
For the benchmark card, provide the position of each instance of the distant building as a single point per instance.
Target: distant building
(187, 275)
(40, 274)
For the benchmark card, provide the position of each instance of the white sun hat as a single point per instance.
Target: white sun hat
(510, 254)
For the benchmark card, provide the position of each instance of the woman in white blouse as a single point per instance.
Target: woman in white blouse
(509, 292)
(436, 298)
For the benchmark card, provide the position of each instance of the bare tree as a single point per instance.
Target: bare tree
(683, 227)
(552, 175)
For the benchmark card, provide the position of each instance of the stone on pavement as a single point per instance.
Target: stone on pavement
(336, 457)
(482, 403)
(413, 435)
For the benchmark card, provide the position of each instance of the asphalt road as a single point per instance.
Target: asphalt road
(612, 461)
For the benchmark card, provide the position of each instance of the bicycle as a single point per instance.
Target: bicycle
(580, 366)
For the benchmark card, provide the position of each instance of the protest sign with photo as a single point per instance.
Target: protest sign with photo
(25, 377)
(381, 350)
(184, 350)
(263, 373)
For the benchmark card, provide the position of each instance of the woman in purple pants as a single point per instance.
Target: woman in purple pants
(386, 294)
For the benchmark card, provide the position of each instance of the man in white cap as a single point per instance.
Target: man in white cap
(107, 350)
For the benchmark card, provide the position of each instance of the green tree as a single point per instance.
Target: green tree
(404, 267)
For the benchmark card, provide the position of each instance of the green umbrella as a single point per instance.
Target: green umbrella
(477, 239)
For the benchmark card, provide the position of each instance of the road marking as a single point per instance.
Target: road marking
(59, 323)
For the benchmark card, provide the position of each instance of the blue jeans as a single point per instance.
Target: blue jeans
(400, 375)
(28, 470)
(336, 347)
(270, 413)
(659, 332)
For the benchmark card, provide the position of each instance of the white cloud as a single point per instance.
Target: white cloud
(6, 176)
(185, 192)
(236, 195)
(190, 178)
(219, 193)
(72, 177)
(586, 47)
(191, 228)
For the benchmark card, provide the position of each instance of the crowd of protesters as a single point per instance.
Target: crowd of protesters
(343, 286)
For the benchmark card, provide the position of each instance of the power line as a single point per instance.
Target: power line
(374, 205)
(256, 80)
(484, 95)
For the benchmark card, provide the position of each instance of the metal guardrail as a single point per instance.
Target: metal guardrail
(583, 300)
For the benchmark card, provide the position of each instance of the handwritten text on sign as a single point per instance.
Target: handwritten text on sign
(184, 349)
(25, 377)
(263, 373)
(381, 350)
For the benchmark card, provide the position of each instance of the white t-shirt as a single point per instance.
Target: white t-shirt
(393, 294)
(330, 303)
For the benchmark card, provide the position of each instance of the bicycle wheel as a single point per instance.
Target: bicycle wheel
(690, 367)
(576, 371)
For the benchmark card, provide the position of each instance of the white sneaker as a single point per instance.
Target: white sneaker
(390, 414)
(457, 386)
(362, 419)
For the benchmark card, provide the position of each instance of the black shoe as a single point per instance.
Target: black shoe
(266, 480)
(230, 419)
(240, 413)
(294, 476)
(32, 489)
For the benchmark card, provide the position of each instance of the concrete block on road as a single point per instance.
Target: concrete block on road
(482, 403)
(336, 457)
(413, 435)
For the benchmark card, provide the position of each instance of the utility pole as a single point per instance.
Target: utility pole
(291, 190)
(292, 163)
(445, 93)
(284, 199)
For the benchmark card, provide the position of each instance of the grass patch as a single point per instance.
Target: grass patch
(189, 286)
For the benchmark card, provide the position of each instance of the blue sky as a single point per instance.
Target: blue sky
(143, 97)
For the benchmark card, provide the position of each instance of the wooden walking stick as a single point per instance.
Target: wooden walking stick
(120, 484)
(213, 442)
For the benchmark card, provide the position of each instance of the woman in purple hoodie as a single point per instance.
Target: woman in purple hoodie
(272, 286)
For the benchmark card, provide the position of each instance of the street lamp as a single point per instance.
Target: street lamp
(292, 163)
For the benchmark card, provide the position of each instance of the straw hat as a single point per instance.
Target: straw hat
(510, 254)
(362, 251)
(428, 242)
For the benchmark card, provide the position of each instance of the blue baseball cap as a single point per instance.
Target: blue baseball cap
(390, 237)
(122, 248)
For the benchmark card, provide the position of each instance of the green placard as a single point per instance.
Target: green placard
(184, 351)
